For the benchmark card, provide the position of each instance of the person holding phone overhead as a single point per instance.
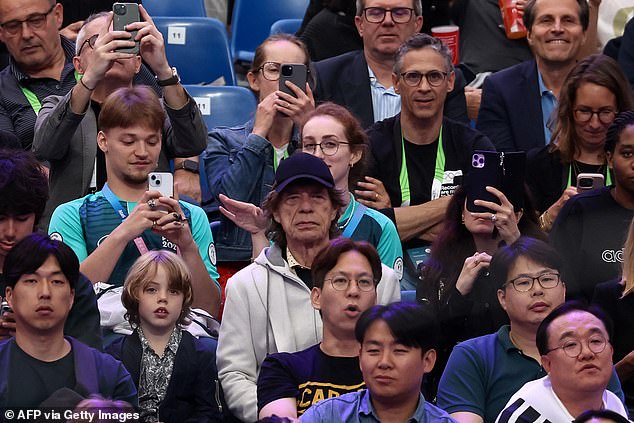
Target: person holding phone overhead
(594, 92)
(240, 162)
(66, 128)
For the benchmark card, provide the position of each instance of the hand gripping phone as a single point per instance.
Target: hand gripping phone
(294, 72)
(124, 14)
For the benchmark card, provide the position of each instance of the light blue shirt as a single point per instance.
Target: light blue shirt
(549, 105)
(385, 102)
(356, 407)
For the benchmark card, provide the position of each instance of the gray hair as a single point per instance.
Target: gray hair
(417, 5)
(419, 42)
(81, 35)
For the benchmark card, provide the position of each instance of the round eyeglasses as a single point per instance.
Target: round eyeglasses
(329, 148)
(341, 283)
(90, 41)
(377, 14)
(572, 348)
(525, 283)
(606, 116)
(434, 78)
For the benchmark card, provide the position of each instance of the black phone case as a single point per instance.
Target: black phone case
(504, 171)
(298, 78)
(120, 21)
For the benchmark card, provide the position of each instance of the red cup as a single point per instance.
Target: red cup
(450, 36)
(513, 23)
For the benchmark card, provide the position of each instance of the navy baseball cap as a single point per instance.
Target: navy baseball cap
(302, 166)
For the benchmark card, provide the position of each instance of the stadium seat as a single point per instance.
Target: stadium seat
(408, 296)
(285, 26)
(221, 106)
(198, 47)
(252, 20)
(180, 8)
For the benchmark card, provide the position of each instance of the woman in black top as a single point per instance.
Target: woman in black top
(594, 92)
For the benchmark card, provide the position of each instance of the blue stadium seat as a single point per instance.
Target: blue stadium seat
(285, 26)
(198, 47)
(252, 20)
(408, 296)
(221, 106)
(181, 8)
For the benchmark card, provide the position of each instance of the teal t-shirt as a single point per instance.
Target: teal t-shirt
(84, 223)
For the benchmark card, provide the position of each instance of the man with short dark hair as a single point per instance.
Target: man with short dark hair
(574, 344)
(483, 373)
(518, 103)
(40, 363)
(398, 343)
(419, 155)
(23, 195)
(367, 89)
(345, 278)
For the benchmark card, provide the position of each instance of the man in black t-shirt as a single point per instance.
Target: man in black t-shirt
(344, 279)
(419, 156)
(39, 363)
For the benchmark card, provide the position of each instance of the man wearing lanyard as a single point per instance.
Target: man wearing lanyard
(41, 63)
(108, 230)
(66, 127)
(418, 155)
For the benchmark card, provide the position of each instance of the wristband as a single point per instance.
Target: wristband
(81, 81)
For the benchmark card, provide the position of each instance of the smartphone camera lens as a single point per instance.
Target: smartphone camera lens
(287, 70)
(120, 9)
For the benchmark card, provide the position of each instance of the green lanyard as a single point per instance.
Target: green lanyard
(439, 172)
(275, 163)
(34, 101)
(608, 177)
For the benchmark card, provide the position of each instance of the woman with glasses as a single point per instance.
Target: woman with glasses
(334, 135)
(594, 92)
(240, 162)
(616, 297)
(455, 280)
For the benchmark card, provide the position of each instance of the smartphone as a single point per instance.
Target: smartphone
(162, 182)
(589, 181)
(294, 72)
(504, 171)
(5, 308)
(124, 14)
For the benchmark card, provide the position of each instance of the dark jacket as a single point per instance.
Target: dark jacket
(345, 80)
(193, 393)
(95, 373)
(511, 109)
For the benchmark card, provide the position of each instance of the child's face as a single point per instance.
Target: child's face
(159, 306)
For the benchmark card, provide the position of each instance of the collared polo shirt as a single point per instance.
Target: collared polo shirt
(549, 106)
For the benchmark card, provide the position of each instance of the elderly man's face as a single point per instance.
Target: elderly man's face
(305, 212)
(580, 356)
(30, 29)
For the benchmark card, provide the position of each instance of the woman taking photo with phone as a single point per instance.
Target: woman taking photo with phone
(594, 92)
(240, 162)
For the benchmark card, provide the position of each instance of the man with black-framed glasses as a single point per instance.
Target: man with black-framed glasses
(483, 373)
(419, 156)
(367, 89)
(574, 344)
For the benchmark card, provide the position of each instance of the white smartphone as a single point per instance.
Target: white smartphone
(162, 182)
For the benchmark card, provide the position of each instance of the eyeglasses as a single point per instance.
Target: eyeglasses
(341, 283)
(34, 21)
(90, 41)
(525, 283)
(605, 116)
(572, 348)
(329, 148)
(434, 78)
(377, 14)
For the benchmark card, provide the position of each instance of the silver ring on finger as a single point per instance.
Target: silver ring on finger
(154, 223)
(493, 217)
(151, 203)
